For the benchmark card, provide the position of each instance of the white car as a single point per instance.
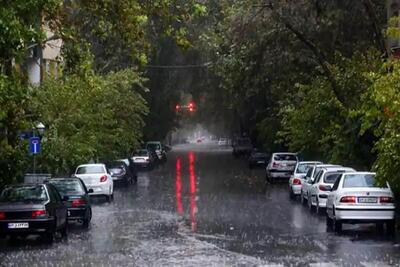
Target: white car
(143, 158)
(322, 185)
(281, 166)
(300, 172)
(97, 178)
(309, 179)
(355, 198)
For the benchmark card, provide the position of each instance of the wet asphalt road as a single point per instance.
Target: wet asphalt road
(205, 208)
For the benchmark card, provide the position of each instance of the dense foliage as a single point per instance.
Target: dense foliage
(95, 108)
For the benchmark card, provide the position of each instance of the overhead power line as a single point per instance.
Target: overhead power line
(204, 65)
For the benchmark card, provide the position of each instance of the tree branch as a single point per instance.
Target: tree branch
(319, 55)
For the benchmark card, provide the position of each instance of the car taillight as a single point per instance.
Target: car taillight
(78, 202)
(2, 215)
(348, 199)
(386, 200)
(103, 178)
(296, 181)
(38, 213)
(275, 165)
(324, 187)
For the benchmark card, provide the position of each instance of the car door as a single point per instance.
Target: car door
(313, 189)
(59, 208)
(306, 181)
(331, 196)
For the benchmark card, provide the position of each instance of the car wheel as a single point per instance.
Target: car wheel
(291, 194)
(88, 218)
(64, 230)
(391, 226)
(337, 225)
(329, 223)
(318, 209)
(309, 203)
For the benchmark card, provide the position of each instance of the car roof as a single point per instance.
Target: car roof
(92, 164)
(338, 169)
(285, 153)
(327, 166)
(373, 173)
(25, 185)
(309, 162)
(64, 179)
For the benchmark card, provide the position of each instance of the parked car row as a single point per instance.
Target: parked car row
(343, 195)
(45, 206)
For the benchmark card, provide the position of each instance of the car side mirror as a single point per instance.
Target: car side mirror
(90, 191)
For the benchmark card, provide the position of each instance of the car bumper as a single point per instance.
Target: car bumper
(280, 174)
(296, 189)
(99, 189)
(76, 214)
(142, 164)
(36, 226)
(322, 202)
(351, 214)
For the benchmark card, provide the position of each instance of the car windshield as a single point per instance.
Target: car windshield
(285, 157)
(90, 169)
(359, 180)
(152, 146)
(330, 178)
(303, 167)
(34, 193)
(68, 187)
(141, 153)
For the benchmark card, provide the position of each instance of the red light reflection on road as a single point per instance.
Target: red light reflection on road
(192, 197)
(178, 187)
(192, 190)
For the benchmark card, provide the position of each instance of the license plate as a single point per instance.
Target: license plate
(367, 200)
(18, 225)
(261, 162)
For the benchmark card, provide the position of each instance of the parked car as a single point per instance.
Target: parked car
(132, 167)
(120, 172)
(32, 209)
(355, 198)
(309, 179)
(299, 173)
(157, 147)
(97, 178)
(143, 158)
(242, 146)
(281, 166)
(223, 141)
(76, 198)
(257, 158)
(318, 192)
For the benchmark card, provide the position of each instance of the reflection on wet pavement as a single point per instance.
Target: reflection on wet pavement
(203, 207)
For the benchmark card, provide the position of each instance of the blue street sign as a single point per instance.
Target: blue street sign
(34, 145)
(25, 135)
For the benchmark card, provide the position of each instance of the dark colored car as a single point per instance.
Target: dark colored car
(76, 198)
(120, 172)
(32, 209)
(132, 167)
(257, 159)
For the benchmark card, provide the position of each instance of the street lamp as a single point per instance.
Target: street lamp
(40, 128)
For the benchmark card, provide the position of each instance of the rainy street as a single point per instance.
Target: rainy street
(204, 207)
